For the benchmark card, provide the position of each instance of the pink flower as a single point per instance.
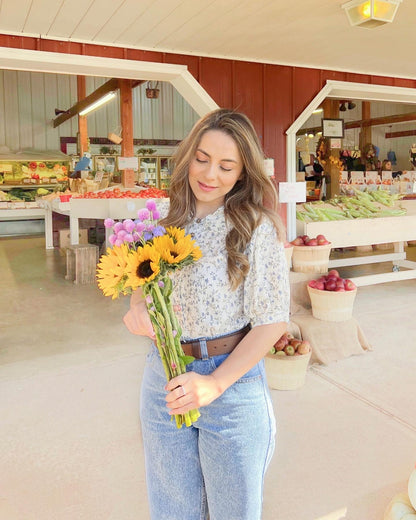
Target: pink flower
(129, 225)
(112, 239)
(151, 205)
(143, 214)
(118, 226)
(108, 223)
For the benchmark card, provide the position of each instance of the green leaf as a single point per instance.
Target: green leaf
(187, 359)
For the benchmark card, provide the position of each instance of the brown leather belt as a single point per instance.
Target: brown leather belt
(217, 346)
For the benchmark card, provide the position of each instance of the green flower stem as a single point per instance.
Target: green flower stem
(172, 356)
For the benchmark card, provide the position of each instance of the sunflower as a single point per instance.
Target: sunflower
(176, 249)
(143, 266)
(111, 270)
(175, 233)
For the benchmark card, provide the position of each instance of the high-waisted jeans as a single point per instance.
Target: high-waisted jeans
(218, 464)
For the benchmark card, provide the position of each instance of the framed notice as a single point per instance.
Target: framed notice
(333, 128)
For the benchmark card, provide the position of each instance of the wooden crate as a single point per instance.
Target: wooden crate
(81, 263)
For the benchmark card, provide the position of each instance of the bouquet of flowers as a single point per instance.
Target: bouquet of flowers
(144, 254)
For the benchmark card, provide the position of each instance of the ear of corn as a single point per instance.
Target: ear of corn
(374, 204)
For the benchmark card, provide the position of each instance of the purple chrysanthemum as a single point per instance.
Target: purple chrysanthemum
(159, 231)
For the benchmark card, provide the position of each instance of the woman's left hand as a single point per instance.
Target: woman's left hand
(189, 391)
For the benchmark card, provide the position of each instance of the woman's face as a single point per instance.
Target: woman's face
(214, 170)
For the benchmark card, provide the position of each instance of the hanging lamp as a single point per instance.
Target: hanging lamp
(371, 13)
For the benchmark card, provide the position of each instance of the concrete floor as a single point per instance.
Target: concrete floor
(70, 445)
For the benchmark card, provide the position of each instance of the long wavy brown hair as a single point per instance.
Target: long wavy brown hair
(253, 196)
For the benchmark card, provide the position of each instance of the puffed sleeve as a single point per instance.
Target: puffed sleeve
(266, 287)
(162, 206)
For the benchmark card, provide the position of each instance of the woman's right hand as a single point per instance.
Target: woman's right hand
(137, 320)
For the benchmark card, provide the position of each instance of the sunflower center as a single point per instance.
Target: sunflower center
(144, 269)
(174, 254)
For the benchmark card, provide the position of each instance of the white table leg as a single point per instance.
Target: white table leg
(48, 228)
(74, 230)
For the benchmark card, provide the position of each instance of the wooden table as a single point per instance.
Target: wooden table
(363, 232)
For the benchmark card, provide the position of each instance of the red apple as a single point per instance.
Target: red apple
(298, 241)
(320, 285)
(330, 285)
(340, 289)
(304, 237)
(320, 237)
(290, 351)
(322, 242)
(349, 285)
(295, 343)
(312, 283)
(281, 343)
(311, 242)
(304, 347)
(333, 272)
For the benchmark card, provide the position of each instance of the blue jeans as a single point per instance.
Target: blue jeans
(218, 464)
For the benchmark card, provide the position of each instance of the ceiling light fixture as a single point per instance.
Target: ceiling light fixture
(351, 105)
(371, 13)
(98, 103)
(342, 107)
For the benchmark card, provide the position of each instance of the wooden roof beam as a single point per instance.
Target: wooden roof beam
(109, 86)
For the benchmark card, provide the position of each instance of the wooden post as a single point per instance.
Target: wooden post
(82, 120)
(331, 111)
(365, 133)
(126, 114)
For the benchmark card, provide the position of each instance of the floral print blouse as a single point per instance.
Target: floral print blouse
(208, 306)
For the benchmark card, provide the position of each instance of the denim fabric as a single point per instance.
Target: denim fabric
(217, 464)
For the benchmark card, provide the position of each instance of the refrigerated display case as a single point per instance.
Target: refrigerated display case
(155, 171)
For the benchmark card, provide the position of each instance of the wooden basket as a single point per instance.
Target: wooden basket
(332, 305)
(311, 259)
(288, 254)
(286, 372)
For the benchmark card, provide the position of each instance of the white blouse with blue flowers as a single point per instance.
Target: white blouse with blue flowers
(208, 306)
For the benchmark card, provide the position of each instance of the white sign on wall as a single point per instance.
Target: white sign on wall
(128, 163)
(292, 191)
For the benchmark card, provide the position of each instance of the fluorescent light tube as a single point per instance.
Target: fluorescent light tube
(97, 103)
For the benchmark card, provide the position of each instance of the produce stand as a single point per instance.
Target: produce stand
(78, 208)
(362, 232)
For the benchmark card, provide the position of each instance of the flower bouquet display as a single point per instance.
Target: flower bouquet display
(144, 254)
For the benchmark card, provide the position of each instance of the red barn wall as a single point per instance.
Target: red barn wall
(271, 95)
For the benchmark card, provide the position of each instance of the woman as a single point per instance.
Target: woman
(234, 302)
